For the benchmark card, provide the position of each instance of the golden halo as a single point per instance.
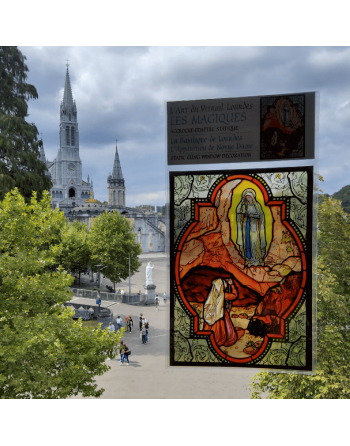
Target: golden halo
(250, 192)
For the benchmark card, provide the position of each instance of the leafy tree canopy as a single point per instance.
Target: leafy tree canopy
(332, 378)
(43, 353)
(75, 255)
(112, 240)
(20, 165)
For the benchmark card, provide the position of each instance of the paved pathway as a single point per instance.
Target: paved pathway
(149, 374)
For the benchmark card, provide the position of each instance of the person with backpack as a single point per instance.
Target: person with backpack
(130, 323)
(125, 354)
(157, 302)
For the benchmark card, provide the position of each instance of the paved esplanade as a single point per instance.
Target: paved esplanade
(149, 374)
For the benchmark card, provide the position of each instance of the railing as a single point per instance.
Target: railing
(133, 298)
(155, 227)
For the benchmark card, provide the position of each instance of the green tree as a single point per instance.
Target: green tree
(112, 241)
(20, 165)
(332, 378)
(75, 255)
(43, 352)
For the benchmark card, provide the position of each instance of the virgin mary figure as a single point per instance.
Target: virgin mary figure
(251, 238)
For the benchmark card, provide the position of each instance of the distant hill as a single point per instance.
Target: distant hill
(344, 196)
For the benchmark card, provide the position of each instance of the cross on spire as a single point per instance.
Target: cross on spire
(67, 64)
(41, 133)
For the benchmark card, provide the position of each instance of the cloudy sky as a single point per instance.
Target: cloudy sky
(121, 93)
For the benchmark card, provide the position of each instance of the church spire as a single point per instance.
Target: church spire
(42, 151)
(42, 154)
(117, 173)
(116, 183)
(67, 95)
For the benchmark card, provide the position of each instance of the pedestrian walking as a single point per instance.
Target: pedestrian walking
(146, 326)
(130, 323)
(122, 292)
(140, 321)
(165, 297)
(119, 323)
(157, 302)
(125, 354)
(144, 332)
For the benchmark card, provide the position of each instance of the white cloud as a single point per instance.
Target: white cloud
(121, 92)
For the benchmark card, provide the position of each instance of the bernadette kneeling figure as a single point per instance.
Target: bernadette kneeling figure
(216, 312)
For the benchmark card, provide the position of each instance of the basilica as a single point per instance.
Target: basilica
(74, 196)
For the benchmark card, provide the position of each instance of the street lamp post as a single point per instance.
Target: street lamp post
(129, 279)
(99, 267)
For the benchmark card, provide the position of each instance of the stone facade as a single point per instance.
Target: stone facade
(144, 224)
(69, 189)
(74, 196)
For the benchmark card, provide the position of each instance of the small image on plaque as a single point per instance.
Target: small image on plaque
(282, 127)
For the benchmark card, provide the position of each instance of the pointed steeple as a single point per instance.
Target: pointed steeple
(43, 159)
(116, 183)
(117, 173)
(67, 95)
(42, 154)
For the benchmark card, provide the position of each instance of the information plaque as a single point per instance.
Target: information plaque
(247, 129)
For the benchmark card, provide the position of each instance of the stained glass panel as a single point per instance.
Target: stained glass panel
(241, 268)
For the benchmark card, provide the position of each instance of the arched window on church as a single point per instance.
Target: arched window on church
(123, 198)
(120, 198)
(67, 136)
(71, 193)
(70, 116)
(72, 136)
(114, 199)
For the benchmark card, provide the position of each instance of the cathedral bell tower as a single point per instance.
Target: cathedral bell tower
(68, 189)
(116, 184)
(69, 139)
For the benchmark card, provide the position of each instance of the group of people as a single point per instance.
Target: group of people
(123, 349)
(129, 323)
(119, 291)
